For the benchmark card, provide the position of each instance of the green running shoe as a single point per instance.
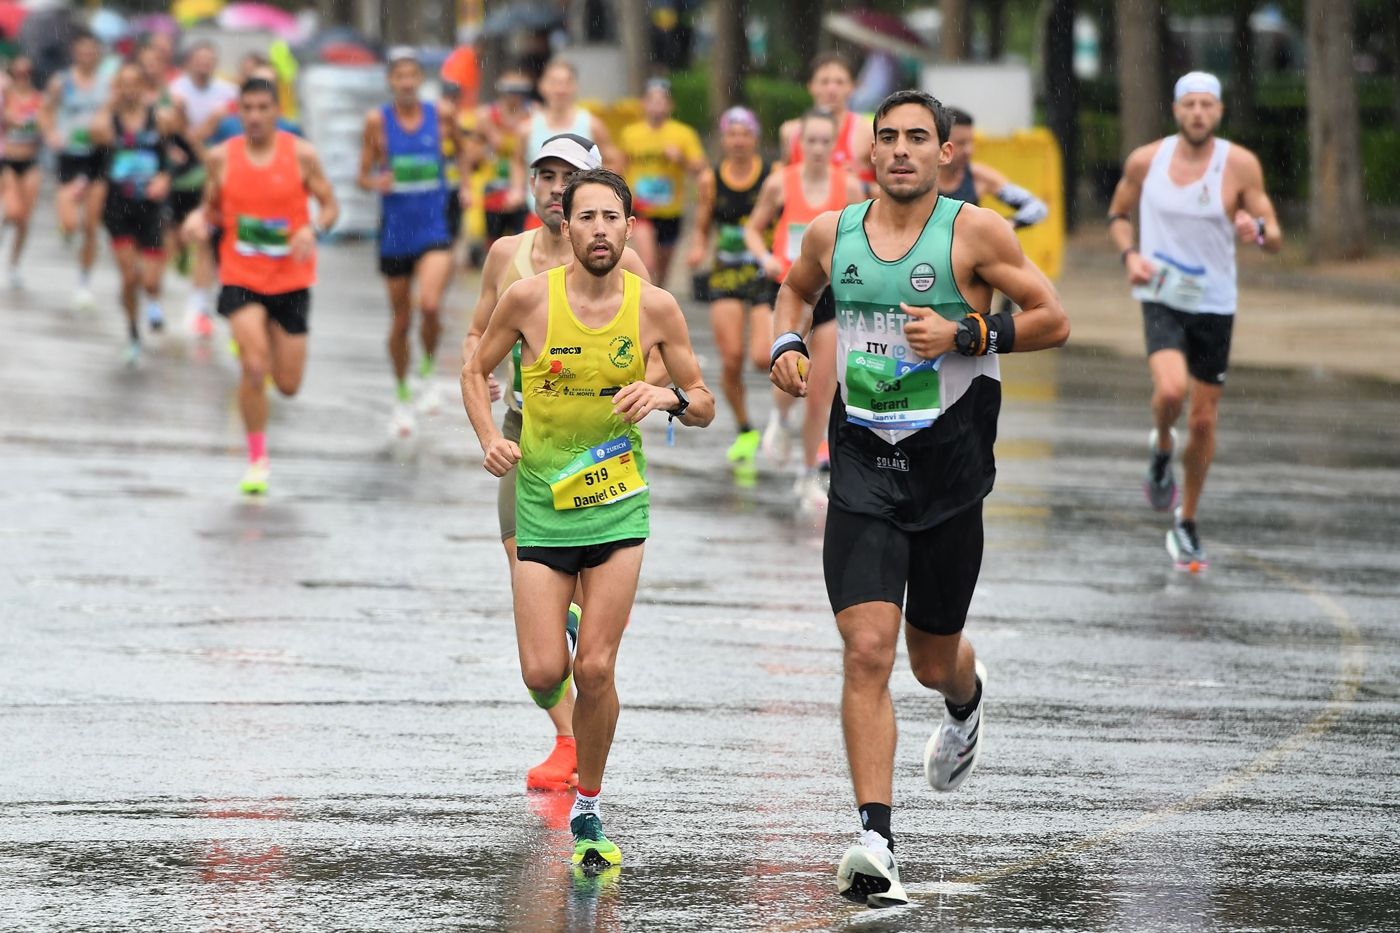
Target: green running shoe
(592, 850)
(255, 480)
(745, 447)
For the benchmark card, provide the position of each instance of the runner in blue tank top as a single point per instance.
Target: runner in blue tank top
(401, 159)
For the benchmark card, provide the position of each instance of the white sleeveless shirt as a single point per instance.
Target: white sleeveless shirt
(541, 132)
(1187, 236)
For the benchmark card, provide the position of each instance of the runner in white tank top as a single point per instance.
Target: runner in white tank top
(1194, 193)
(558, 86)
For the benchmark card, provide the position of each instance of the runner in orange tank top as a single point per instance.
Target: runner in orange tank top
(830, 85)
(796, 196)
(256, 198)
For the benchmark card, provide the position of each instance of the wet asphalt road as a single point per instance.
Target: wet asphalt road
(305, 713)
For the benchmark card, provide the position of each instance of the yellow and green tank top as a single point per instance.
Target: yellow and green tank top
(582, 475)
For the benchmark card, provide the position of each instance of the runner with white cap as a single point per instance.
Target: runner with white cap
(1195, 194)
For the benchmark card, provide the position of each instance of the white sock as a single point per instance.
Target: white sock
(584, 805)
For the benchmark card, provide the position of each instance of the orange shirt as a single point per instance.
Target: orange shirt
(262, 206)
(797, 213)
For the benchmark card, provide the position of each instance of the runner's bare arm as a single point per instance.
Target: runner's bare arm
(519, 171)
(998, 260)
(664, 325)
(1255, 202)
(765, 211)
(704, 213)
(503, 330)
(1120, 211)
(612, 155)
(197, 224)
(319, 186)
(370, 176)
(48, 113)
(101, 127)
(786, 134)
(792, 311)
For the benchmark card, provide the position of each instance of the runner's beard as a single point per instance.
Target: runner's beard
(601, 265)
(907, 197)
(550, 219)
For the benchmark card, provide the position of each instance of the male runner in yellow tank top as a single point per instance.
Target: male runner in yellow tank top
(510, 259)
(582, 501)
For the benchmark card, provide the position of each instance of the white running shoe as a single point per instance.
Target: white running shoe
(402, 424)
(16, 280)
(429, 398)
(869, 874)
(814, 490)
(950, 756)
(83, 299)
(777, 440)
(131, 355)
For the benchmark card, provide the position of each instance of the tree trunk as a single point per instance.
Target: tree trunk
(1336, 208)
(996, 29)
(955, 34)
(635, 32)
(1062, 98)
(1140, 104)
(1240, 100)
(729, 56)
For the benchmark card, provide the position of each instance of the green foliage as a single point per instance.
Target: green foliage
(1380, 154)
(772, 99)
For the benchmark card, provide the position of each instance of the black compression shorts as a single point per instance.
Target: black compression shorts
(572, 560)
(1204, 339)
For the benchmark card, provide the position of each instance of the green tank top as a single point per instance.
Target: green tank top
(885, 386)
(582, 475)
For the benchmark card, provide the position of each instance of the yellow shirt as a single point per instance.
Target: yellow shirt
(656, 181)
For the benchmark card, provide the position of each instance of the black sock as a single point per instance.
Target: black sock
(745, 428)
(961, 713)
(876, 816)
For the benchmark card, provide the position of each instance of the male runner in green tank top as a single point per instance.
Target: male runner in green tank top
(912, 429)
(510, 259)
(582, 506)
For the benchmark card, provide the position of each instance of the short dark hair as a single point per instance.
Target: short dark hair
(959, 117)
(258, 86)
(816, 113)
(941, 119)
(83, 34)
(597, 176)
(822, 59)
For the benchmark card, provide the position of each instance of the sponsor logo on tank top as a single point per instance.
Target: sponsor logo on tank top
(922, 277)
(851, 276)
(565, 351)
(620, 352)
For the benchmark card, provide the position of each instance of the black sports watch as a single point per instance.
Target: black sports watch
(682, 403)
(964, 340)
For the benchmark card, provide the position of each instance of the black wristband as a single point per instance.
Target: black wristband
(1001, 333)
(785, 342)
(1116, 217)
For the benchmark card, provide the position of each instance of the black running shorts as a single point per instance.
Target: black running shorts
(931, 574)
(506, 224)
(72, 167)
(290, 310)
(668, 229)
(398, 267)
(135, 220)
(572, 560)
(1204, 339)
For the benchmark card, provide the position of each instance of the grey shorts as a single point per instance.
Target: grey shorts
(505, 492)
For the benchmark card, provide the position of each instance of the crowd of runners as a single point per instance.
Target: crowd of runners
(856, 270)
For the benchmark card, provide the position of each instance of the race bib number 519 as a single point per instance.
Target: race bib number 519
(601, 475)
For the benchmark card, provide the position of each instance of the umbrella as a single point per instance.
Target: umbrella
(258, 17)
(189, 12)
(153, 24)
(344, 43)
(521, 16)
(12, 16)
(874, 30)
(108, 26)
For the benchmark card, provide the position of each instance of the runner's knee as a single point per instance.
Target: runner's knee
(540, 678)
(593, 675)
(1201, 423)
(869, 654)
(1171, 393)
(287, 383)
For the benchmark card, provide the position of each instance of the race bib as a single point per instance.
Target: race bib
(601, 475)
(415, 173)
(655, 190)
(80, 141)
(134, 168)
(263, 236)
(794, 243)
(1173, 284)
(883, 392)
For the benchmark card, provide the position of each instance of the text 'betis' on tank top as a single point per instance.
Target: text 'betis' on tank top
(582, 476)
(1187, 235)
(885, 385)
(414, 212)
(797, 214)
(262, 206)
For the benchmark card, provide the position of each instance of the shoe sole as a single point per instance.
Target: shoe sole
(861, 879)
(976, 751)
(1147, 492)
(595, 861)
(1185, 566)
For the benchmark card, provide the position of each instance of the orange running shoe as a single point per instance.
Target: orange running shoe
(558, 772)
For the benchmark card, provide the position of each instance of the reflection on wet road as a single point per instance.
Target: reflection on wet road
(306, 713)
